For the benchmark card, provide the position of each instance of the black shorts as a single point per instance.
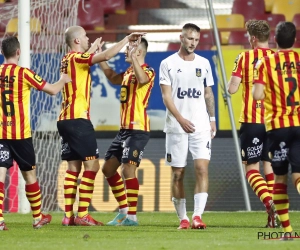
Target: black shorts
(285, 149)
(78, 140)
(128, 146)
(21, 151)
(254, 144)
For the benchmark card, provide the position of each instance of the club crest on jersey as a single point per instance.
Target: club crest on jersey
(198, 72)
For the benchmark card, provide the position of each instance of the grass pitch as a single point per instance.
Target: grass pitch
(225, 230)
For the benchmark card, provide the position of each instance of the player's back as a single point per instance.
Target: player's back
(282, 90)
(252, 111)
(15, 85)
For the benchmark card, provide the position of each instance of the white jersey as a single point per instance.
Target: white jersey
(188, 80)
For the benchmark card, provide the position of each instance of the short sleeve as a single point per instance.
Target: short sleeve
(164, 77)
(238, 66)
(84, 58)
(209, 80)
(33, 79)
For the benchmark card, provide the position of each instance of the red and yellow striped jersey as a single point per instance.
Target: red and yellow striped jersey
(134, 99)
(15, 85)
(280, 74)
(252, 111)
(77, 94)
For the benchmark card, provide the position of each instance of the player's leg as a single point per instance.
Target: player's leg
(6, 162)
(176, 157)
(279, 152)
(70, 190)
(134, 146)
(81, 145)
(23, 153)
(111, 164)
(252, 137)
(74, 168)
(3, 171)
(200, 148)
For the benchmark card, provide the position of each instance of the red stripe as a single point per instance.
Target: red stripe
(21, 106)
(69, 196)
(272, 89)
(289, 117)
(74, 83)
(298, 81)
(4, 118)
(87, 93)
(12, 99)
(282, 98)
(247, 92)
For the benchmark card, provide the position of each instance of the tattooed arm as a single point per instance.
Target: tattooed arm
(210, 105)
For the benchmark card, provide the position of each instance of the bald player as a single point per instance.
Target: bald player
(78, 141)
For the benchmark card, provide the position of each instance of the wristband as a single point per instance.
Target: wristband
(212, 119)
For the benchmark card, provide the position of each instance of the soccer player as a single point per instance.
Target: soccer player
(127, 148)
(276, 81)
(253, 135)
(185, 79)
(15, 131)
(78, 141)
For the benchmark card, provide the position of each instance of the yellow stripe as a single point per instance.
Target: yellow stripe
(132, 191)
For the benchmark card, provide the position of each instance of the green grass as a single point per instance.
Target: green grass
(226, 230)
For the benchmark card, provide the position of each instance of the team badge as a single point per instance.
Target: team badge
(198, 72)
(169, 157)
(38, 78)
(135, 153)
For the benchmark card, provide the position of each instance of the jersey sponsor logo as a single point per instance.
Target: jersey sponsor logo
(281, 154)
(198, 72)
(189, 93)
(255, 140)
(7, 79)
(125, 152)
(179, 70)
(38, 78)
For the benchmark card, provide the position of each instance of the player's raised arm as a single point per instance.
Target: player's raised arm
(112, 51)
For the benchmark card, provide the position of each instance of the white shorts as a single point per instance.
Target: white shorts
(178, 145)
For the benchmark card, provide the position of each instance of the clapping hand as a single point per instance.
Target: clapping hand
(96, 46)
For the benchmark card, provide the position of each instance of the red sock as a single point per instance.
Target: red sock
(33, 194)
(117, 186)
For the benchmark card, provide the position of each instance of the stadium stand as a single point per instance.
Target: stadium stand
(288, 8)
(273, 19)
(268, 5)
(229, 21)
(111, 6)
(248, 8)
(207, 41)
(238, 38)
(12, 25)
(90, 15)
